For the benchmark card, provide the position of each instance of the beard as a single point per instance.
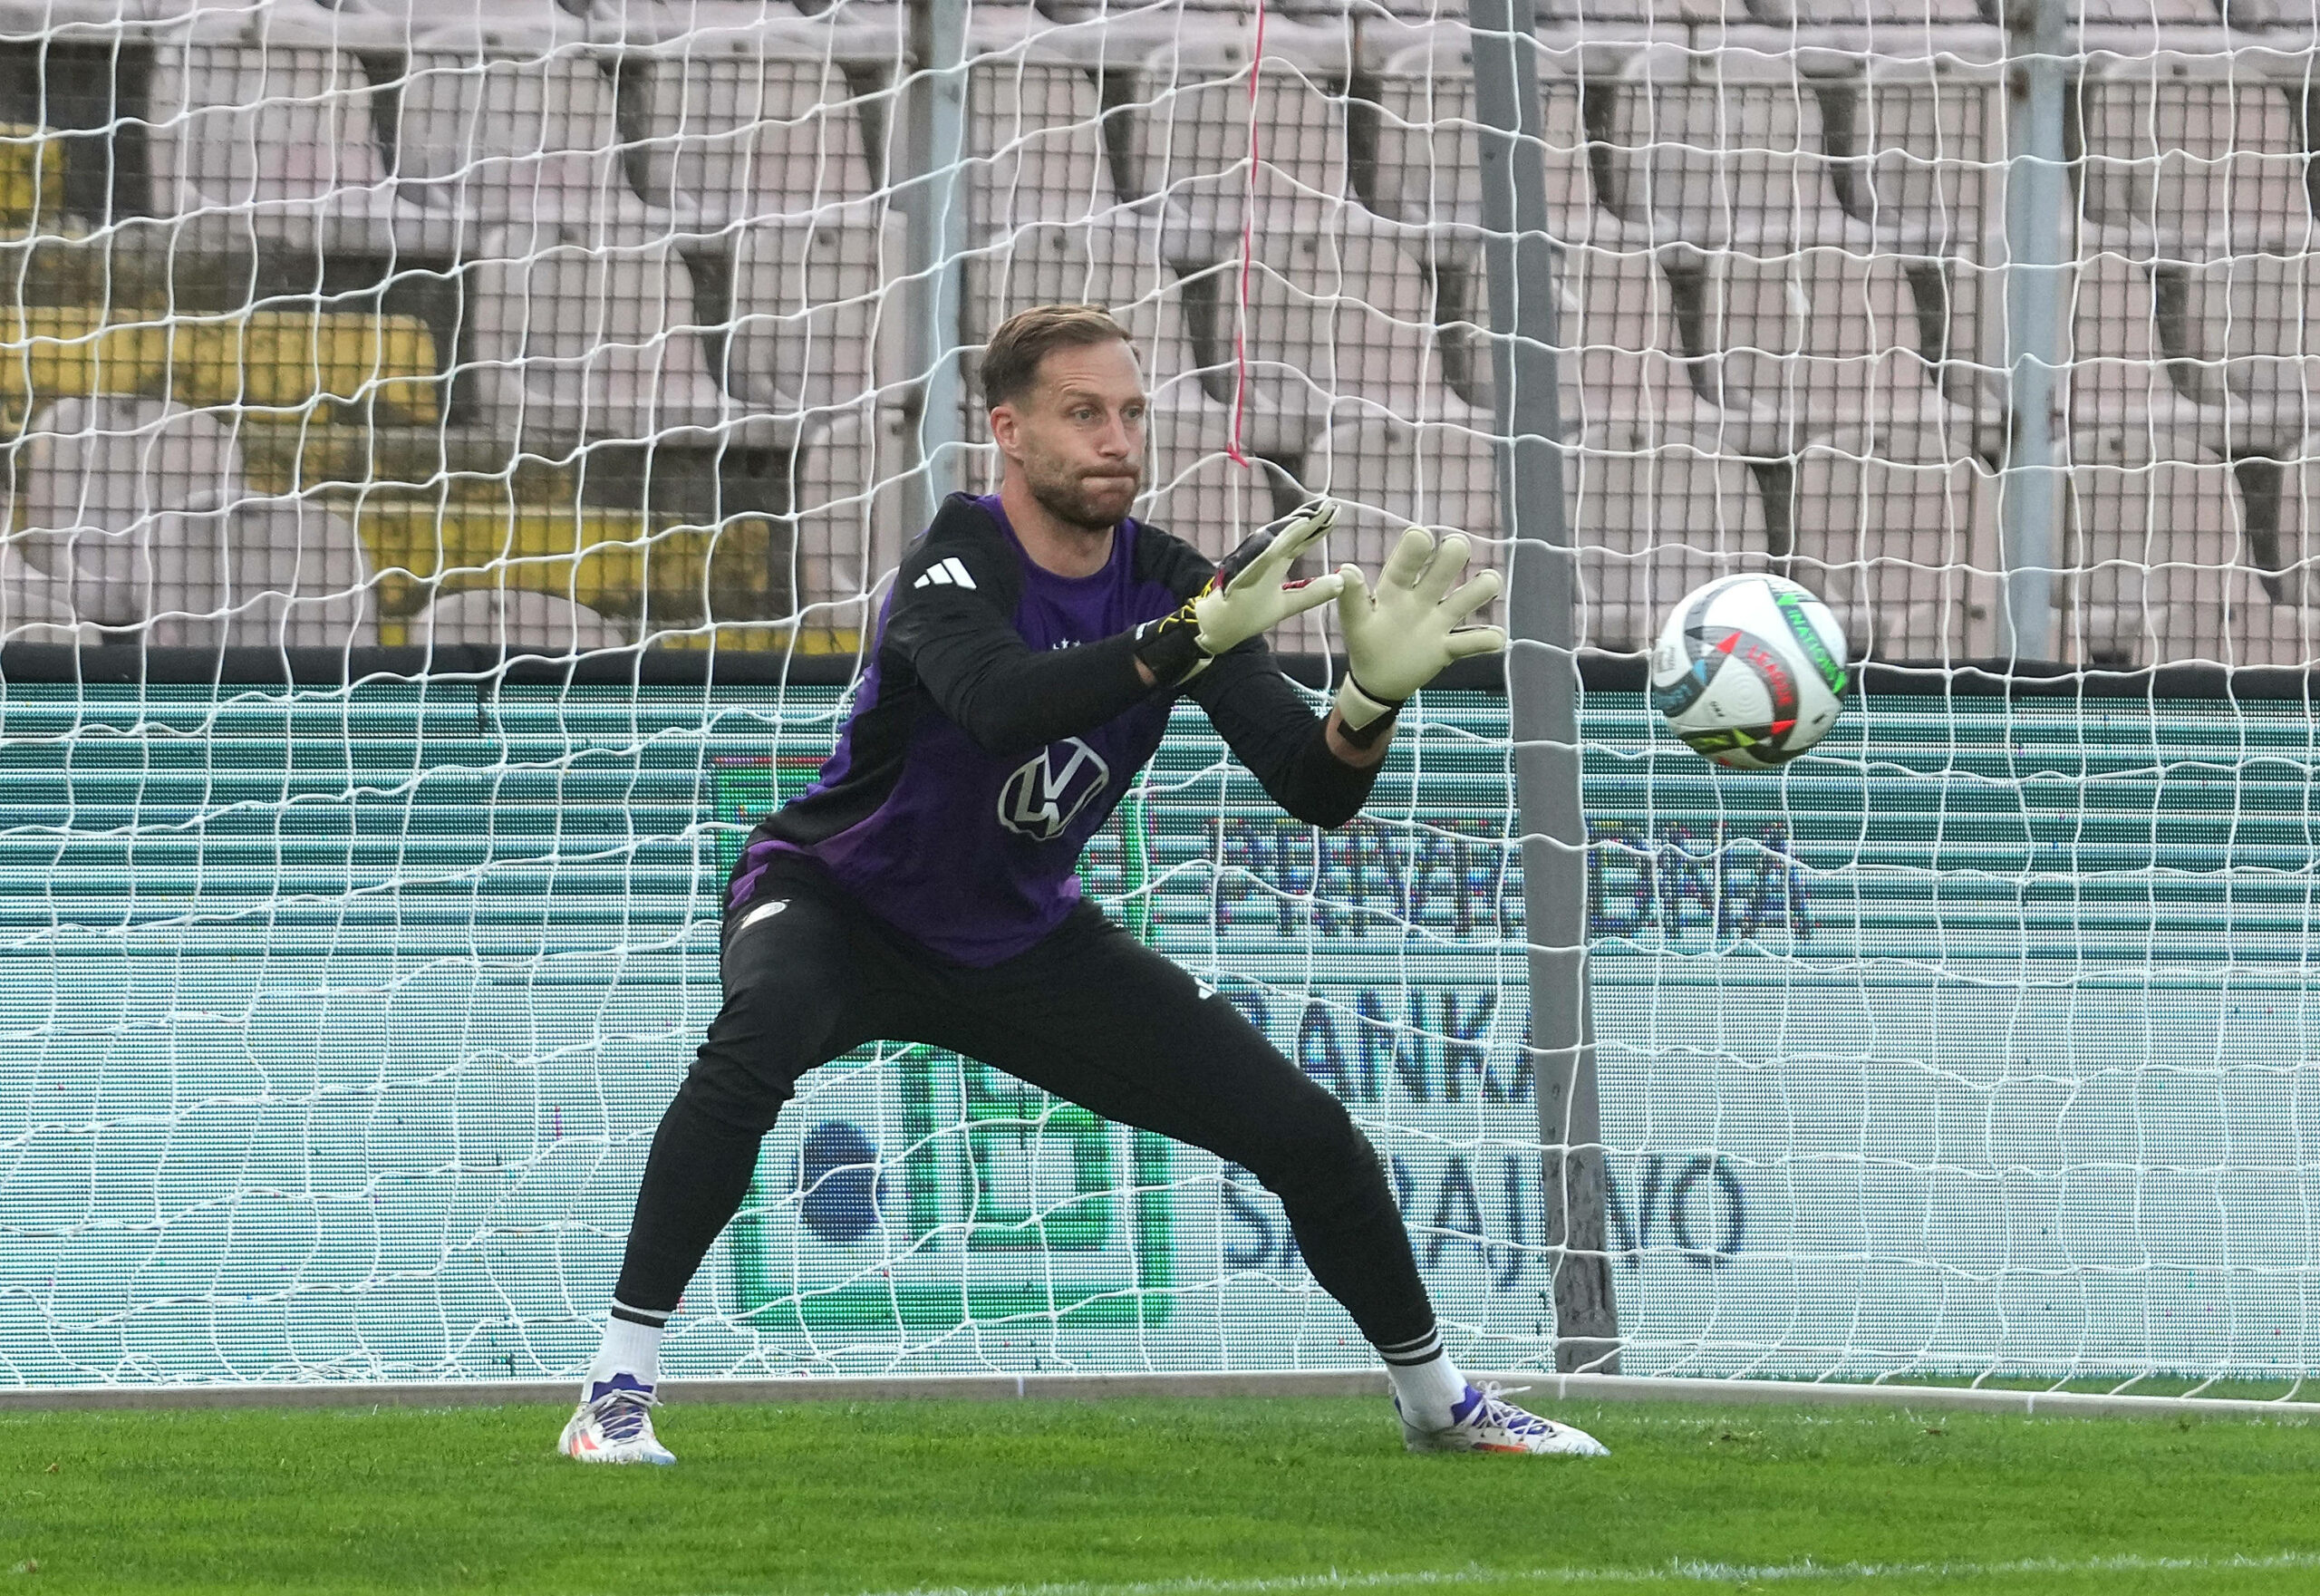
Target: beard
(1093, 503)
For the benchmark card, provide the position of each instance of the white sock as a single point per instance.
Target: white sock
(632, 1347)
(1426, 1384)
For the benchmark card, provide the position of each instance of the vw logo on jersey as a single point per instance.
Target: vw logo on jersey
(1043, 796)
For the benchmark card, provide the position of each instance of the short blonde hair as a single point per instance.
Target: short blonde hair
(1011, 361)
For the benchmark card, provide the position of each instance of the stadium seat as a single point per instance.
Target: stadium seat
(1035, 132)
(1116, 261)
(654, 572)
(277, 360)
(2156, 562)
(2280, 535)
(1111, 262)
(1909, 148)
(1624, 382)
(138, 511)
(264, 135)
(125, 507)
(1427, 167)
(497, 129)
(849, 536)
(2191, 157)
(1338, 321)
(301, 577)
(1192, 125)
(514, 620)
(2247, 349)
(1736, 163)
(813, 327)
(32, 181)
(746, 121)
(1195, 489)
(1389, 474)
(2118, 381)
(1121, 263)
(1651, 527)
(35, 607)
(1899, 536)
(505, 19)
(1812, 341)
(575, 345)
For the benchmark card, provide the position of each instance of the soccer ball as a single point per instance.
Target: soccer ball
(1750, 671)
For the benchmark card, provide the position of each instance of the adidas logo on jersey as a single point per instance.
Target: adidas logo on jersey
(947, 572)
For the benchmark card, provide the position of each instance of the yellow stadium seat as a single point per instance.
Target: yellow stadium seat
(288, 360)
(32, 178)
(610, 560)
(283, 360)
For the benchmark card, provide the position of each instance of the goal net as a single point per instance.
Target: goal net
(457, 448)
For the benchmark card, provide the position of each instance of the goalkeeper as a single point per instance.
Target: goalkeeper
(923, 889)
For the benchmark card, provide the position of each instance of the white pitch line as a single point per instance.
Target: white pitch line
(1695, 1573)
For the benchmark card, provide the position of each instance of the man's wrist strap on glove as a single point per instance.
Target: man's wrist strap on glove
(1363, 717)
(1170, 646)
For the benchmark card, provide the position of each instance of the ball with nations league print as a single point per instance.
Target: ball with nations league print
(1750, 671)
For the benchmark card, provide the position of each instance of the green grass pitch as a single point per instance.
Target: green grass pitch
(1155, 1497)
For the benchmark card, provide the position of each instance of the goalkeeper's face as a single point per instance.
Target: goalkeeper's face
(1077, 437)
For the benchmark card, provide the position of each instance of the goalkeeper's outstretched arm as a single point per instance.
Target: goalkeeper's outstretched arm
(1398, 638)
(959, 636)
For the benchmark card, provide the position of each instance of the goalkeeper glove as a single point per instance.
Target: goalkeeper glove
(1246, 597)
(1399, 638)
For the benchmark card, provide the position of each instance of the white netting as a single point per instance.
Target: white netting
(336, 1016)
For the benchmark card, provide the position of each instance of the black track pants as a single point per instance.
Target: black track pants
(1090, 1014)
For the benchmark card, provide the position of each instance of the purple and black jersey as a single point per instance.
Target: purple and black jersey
(1001, 721)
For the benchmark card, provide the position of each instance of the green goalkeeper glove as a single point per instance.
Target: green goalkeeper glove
(1246, 597)
(1399, 638)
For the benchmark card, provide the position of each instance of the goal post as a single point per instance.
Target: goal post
(1543, 677)
(456, 451)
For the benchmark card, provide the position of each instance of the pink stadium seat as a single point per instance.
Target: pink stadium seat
(302, 577)
(748, 122)
(576, 344)
(1734, 162)
(2157, 562)
(1337, 324)
(813, 327)
(136, 518)
(267, 135)
(2191, 157)
(2140, 16)
(1428, 166)
(1901, 542)
(849, 536)
(2282, 545)
(1625, 379)
(2123, 398)
(1035, 137)
(1389, 474)
(126, 505)
(1114, 261)
(1192, 130)
(497, 131)
(1195, 491)
(2247, 350)
(1910, 150)
(1821, 339)
(1651, 527)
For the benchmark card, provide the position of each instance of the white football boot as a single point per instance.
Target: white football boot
(1484, 1421)
(614, 1423)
